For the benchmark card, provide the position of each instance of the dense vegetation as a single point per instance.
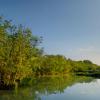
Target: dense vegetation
(21, 57)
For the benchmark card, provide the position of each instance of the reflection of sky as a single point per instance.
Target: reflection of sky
(79, 91)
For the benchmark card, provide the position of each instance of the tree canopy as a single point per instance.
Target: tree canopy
(20, 57)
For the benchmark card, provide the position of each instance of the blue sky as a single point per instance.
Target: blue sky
(68, 27)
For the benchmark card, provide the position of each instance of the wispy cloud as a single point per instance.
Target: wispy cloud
(87, 49)
(91, 53)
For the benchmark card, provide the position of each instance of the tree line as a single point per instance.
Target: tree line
(21, 57)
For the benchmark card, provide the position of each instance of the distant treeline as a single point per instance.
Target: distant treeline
(21, 57)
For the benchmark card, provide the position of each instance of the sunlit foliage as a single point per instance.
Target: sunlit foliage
(20, 57)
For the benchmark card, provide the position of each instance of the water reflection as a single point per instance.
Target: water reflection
(51, 88)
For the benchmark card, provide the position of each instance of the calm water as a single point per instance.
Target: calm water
(56, 88)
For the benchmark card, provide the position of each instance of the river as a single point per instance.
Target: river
(56, 88)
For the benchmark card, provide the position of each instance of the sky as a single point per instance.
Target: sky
(68, 27)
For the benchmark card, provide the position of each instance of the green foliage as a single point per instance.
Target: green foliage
(20, 57)
(58, 64)
(17, 48)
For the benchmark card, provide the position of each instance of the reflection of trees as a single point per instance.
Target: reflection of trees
(43, 86)
(49, 85)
